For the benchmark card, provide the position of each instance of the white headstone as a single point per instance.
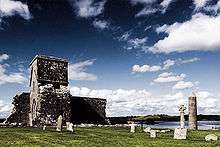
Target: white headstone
(59, 123)
(180, 133)
(211, 137)
(44, 127)
(147, 129)
(132, 127)
(153, 133)
(69, 126)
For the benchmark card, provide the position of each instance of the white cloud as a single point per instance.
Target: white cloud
(165, 4)
(3, 57)
(189, 60)
(146, 11)
(137, 42)
(168, 63)
(199, 33)
(200, 3)
(88, 8)
(145, 68)
(124, 37)
(77, 71)
(214, 8)
(121, 102)
(99, 24)
(11, 8)
(6, 77)
(169, 77)
(5, 109)
(183, 85)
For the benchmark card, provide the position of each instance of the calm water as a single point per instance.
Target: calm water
(203, 125)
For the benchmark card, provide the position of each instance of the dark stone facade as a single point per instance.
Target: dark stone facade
(50, 97)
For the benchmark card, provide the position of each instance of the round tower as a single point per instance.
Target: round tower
(193, 112)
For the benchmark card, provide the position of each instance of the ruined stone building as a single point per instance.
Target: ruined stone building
(50, 97)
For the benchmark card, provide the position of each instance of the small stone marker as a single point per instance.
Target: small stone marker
(153, 133)
(180, 133)
(211, 137)
(44, 127)
(59, 123)
(147, 130)
(133, 125)
(69, 126)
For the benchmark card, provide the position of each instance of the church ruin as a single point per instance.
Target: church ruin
(50, 97)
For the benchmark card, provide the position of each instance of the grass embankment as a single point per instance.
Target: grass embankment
(99, 137)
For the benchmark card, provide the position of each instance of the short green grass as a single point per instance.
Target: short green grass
(108, 137)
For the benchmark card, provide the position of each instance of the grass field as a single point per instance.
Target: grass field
(99, 137)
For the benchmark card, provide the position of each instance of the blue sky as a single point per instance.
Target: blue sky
(143, 56)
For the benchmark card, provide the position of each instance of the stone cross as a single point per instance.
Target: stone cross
(182, 108)
(59, 123)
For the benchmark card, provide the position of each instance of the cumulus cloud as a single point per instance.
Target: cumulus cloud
(121, 102)
(100, 24)
(168, 63)
(169, 77)
(88, 8)
(77, 71)
(145, 68)
(200, 3)
(3, 57)
(11, 8)
(6, 77)
(165, 66)
(183, 85)
(208, 103)
(199, 33)
(5, 109)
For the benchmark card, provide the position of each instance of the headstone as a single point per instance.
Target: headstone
(153, 133)
(132, 127)
(147, 129)
(69, 126)
(211, 137)
(180, 133)
(44, 127)
(59, 123)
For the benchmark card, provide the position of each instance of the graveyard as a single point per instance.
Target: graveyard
(96, 136)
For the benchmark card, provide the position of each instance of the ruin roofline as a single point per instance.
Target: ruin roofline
(103, 99)
(51, 58)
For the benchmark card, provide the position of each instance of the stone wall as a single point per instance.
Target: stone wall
(88, 110)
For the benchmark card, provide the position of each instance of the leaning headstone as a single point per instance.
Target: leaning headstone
(44, 127)
(147, 129)
(59, 123)
(181, 133)
(153, 133)
(133, 125)
(211, 137)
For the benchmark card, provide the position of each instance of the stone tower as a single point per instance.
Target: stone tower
(49, 95)
(193, 112)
